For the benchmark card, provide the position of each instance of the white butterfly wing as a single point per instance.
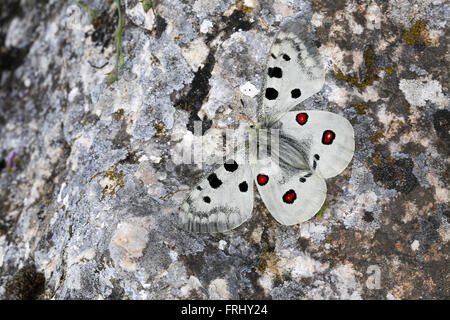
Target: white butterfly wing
(294, 72)
(291, 195)
(221, 202)
(330, 137)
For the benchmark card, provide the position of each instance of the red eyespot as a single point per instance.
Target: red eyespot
(289, 196)
(301, 118)
(262, 179)
(328, 137)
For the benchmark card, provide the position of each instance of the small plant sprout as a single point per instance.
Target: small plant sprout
(11, 163)
(113, 75)
(91, 12)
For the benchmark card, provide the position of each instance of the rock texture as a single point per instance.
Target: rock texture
(90, 209)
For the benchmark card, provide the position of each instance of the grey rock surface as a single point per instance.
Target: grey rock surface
(91, 206)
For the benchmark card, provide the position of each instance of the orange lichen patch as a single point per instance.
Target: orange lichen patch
(371, 76)
(378, 159)
(184, 107)
(247, 10)
(244, 8)
(154, 59)
(418, 33)
(377, 136)
(268, 262)
(116, 179)
(118, 114)
(369, 58)
(360, 109)
(160, 129)
(111, 180)
(389, 70)
(435, 253)
(394, 127)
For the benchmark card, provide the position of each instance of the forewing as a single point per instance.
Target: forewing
(294, 72)
(291, 195)
(221, 202)
(331, 141)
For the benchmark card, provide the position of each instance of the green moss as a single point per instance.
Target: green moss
(98, 23)
(147, 5)
(114, 75)
(91, 12)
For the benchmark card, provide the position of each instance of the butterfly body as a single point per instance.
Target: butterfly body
(287, 155)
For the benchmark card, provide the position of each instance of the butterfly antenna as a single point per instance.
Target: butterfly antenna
(244, 117)
(171, 193)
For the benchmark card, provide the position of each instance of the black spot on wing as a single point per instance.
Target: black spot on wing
(231, 167)
(303, 179)
(271, 93)
(207, 199)
(199, 188)
(275, 72)
(243, 186)
(296, 93)
(214, 182)
(286, 57)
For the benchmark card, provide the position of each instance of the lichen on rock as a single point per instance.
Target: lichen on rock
(90, 210)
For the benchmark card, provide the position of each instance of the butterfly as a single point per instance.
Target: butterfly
(311, 146)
